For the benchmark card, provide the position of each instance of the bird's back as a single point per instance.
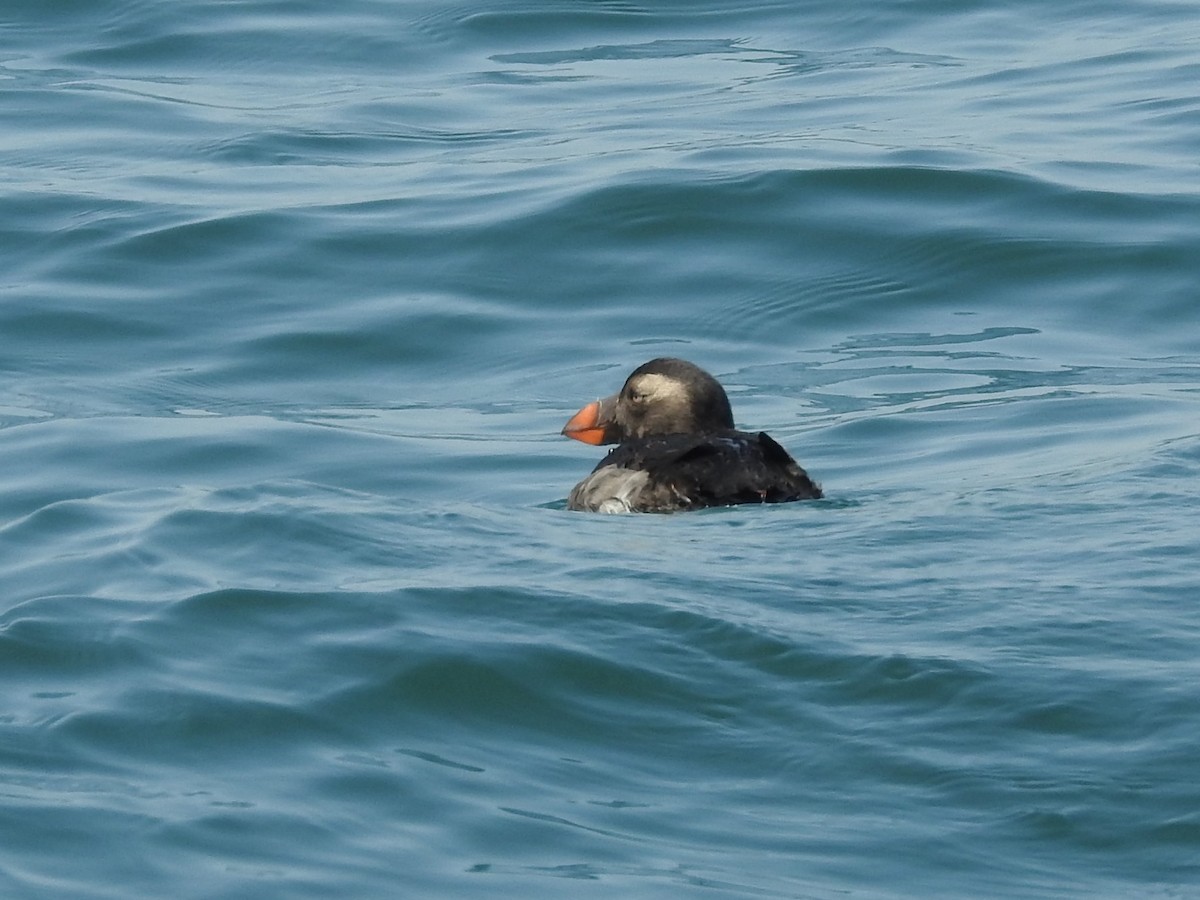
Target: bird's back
(689, 471)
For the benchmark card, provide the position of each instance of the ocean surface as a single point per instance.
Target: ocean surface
(295, 298)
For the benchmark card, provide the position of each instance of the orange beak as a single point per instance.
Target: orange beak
(592, 424)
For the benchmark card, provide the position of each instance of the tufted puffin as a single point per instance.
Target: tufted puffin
(677, 448)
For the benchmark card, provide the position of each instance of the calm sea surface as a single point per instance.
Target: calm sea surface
(295, 297)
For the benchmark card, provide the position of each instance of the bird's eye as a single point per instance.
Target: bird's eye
(637, 396)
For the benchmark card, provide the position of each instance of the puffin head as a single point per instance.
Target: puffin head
(663, 396)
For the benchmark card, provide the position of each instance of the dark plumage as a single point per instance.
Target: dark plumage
(678, 449)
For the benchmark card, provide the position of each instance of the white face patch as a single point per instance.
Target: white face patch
(655, 404)
(658, 388)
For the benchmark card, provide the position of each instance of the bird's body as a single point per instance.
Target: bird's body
(677, 448)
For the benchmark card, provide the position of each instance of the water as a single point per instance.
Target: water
(294, 299)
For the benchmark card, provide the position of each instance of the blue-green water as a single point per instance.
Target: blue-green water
(295, 297)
